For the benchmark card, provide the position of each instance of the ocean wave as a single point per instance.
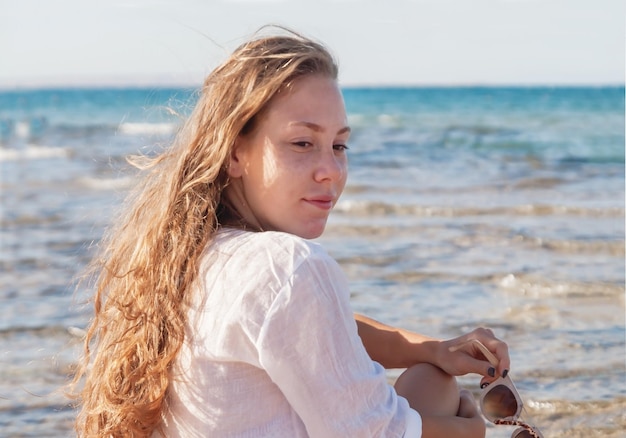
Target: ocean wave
(33, 152)
(148, 128)
(379, 208)
(518, 283)
(106, 183)
(29, 128)
(39, 130)
(492, 236)
(535, 286)
(13, 220)
(394, 268)
(581, 419)
(614, 248)
(40, 331)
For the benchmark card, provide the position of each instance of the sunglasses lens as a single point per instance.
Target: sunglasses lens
(523, 434)
(500, 402)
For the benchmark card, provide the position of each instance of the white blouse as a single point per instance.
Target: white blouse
(272, 350)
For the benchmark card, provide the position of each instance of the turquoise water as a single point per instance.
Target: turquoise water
(465, 206)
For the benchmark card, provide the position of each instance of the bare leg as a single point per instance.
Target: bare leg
(429, 390)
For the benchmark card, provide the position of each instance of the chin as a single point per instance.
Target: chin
(312, 235)
(312, 232)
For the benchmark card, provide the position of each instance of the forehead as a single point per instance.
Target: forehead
(317, 97)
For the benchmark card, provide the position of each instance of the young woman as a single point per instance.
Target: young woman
(214, 313)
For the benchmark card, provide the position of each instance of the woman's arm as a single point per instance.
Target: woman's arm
(428, 384)
(398, 348)
(393, 347)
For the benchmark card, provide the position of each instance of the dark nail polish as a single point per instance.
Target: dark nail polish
(491, 371)
(505, 373)
(484, 385)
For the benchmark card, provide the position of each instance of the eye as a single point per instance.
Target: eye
(302, 144)
(340, 147)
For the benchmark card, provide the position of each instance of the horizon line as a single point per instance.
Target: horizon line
(348, 85)
(191, 80)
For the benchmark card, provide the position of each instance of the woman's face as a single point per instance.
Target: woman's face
(289, 171)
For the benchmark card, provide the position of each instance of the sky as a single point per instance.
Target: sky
(46, 43)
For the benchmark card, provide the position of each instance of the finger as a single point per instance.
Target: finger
(482, 367)
(498, 347)
(489, 361)
(502, 351)
(486, 381)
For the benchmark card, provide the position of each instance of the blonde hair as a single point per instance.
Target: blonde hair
(149, 260)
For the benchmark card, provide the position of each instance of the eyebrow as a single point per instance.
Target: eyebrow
(317, 128)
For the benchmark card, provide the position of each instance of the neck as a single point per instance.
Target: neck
(236, 211)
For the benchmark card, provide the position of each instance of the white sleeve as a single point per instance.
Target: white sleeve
(309, 346)
(413, 425)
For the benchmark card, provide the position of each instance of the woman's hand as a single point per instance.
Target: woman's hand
(462, 355)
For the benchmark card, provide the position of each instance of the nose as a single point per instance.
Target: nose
(331, 166)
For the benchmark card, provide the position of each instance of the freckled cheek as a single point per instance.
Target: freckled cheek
(297, 166)
(270, 170)
(344, 174)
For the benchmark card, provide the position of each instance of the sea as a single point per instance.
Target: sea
(499, 207)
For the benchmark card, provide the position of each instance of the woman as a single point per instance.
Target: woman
(214, 316)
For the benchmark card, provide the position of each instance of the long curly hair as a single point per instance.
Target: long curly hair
(149, 259)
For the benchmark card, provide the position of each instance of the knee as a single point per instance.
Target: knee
(429, 390)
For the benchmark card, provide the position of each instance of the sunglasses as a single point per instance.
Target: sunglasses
(500, 402)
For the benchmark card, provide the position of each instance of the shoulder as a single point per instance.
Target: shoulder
(269, 247)
(271, 259)
(249, 273)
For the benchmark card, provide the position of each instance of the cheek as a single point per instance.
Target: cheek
(344, 174)
(270, 169)
(262, 167)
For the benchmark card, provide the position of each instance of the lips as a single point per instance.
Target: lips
(322, 202)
